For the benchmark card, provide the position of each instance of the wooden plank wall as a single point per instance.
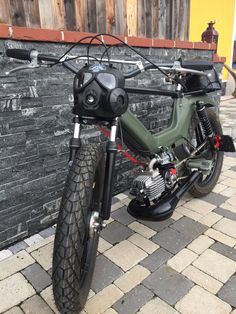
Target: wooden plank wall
(145, 18)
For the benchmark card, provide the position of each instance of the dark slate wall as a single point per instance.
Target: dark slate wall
(35, 127)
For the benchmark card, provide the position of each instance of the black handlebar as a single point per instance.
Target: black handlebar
(21, 54)
(24, 54)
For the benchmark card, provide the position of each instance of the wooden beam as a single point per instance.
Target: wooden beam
(120, 22)
(31, 9)
(132, 15)
(70, 14)
(4, 12)
(148, 13)
(17, 12)
(101, 16)
(110, 17)
(92, 15)
(81, 15)
(51, 14)
(141, 18)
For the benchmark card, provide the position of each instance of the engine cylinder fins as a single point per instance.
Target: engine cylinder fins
(166, 205)
(146, 185)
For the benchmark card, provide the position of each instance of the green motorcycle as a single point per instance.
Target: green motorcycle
(187, 156)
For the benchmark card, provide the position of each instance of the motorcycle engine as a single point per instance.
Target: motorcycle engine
(160, 177)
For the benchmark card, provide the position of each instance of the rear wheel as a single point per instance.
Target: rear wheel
(196, 137)
(76, 242)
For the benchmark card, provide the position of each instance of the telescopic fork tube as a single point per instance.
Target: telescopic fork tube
(111, 151)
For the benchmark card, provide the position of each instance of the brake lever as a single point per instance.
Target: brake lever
(33, 63)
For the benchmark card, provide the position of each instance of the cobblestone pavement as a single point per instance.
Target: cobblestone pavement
(186, 264)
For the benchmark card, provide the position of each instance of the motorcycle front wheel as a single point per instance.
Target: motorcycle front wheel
(76, 242)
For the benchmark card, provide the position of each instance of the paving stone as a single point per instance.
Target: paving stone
(142, 229)
(224, 250)
(156, 259)
(229, 207)
(103, 245)
(229, 173)
(121, 196)
(133, 300)
(115, 200)
(132, 278)
(219, 188)
(228, 191)
(231, 200)
(189, 227)
(18, 247)
(200, 244)
(229, 182)
(121, 215)
(37, 276)
(125, 255)
(47, 295)
(226, 226)
(47, 232)
(105, 273)
(33, 239)
(172, 240)
(222, 178)
(216, 265)
(176, 216)
(14, 289)
(116, 205)
(116, 232)
(221, 237)
(210, 219)
(103, 300)
(228, 291)
(199, 206)
(145, 244)
(14, 264)
(40, 244)
(109, 221)
(126, 201)
(110, 311)
(15, 310)
(168, 284)
(199, 301)
(35, 305)
(158, 225)
(233, 168)
(215, 198)
(91, 294)
(157, 306)
(188, 213)
(226, 213)
(5, 254)
(182, 259)
(44, 256)
(202, 279)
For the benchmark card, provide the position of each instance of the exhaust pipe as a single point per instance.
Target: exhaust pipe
(166, 205)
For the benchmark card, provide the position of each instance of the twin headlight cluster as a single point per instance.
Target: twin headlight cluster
(99, 92)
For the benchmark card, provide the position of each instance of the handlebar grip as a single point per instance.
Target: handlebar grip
(21, 54)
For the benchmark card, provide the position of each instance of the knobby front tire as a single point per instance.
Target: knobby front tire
(75, 247)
